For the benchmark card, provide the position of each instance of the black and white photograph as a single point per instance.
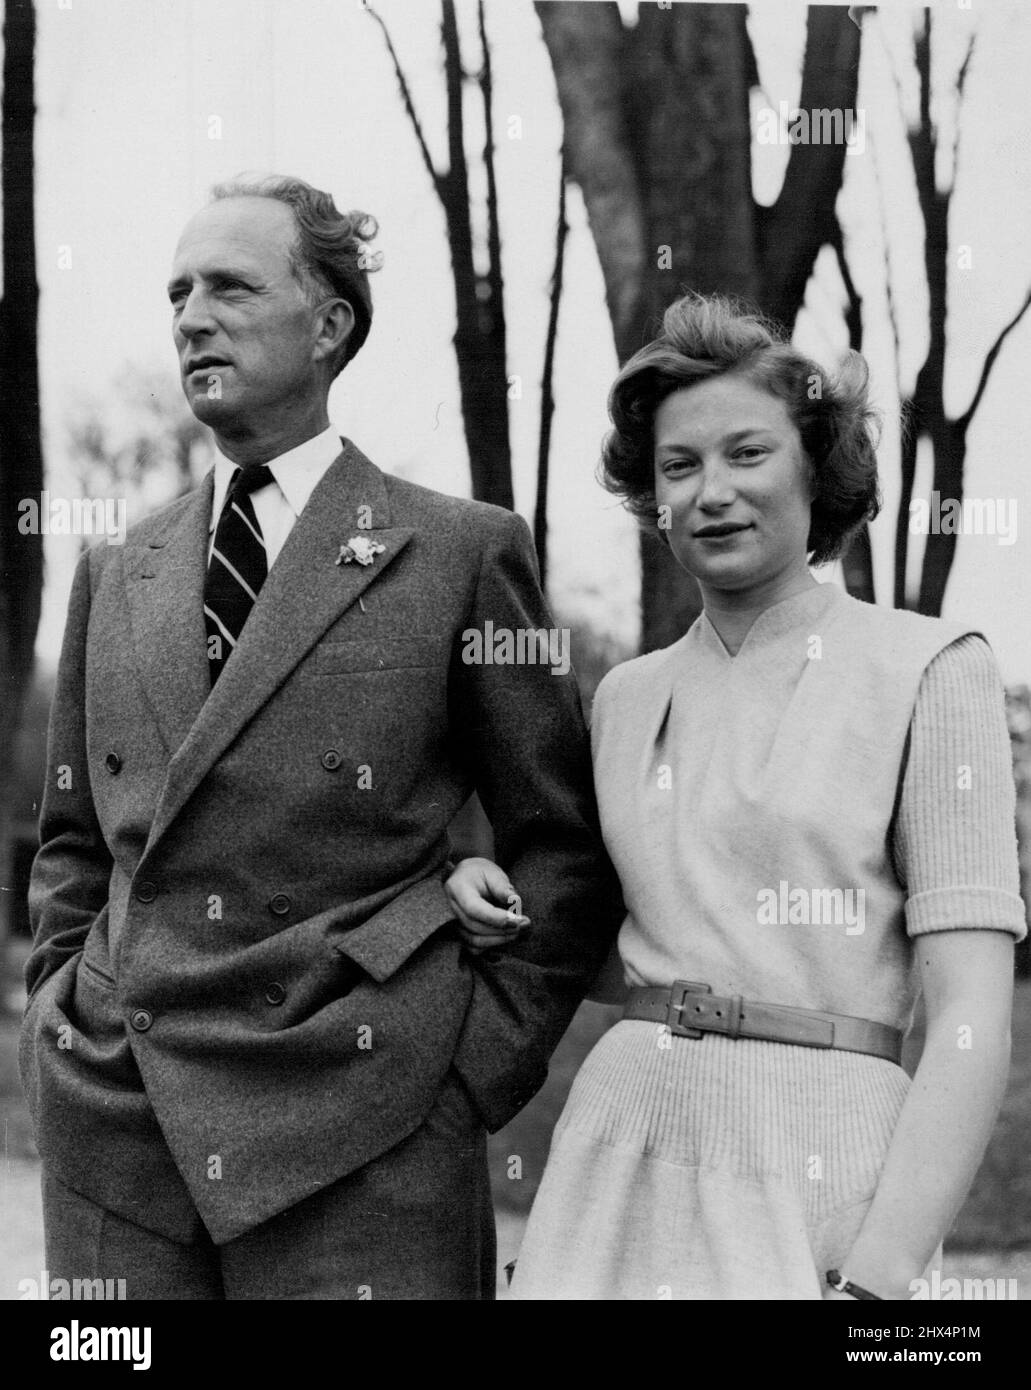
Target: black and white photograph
(515, 661)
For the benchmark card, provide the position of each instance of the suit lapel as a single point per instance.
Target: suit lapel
(165, 590)
(306, 591)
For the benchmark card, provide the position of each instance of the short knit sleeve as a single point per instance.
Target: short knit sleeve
(955, 839)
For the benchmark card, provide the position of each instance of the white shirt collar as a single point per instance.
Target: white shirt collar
(297, 472)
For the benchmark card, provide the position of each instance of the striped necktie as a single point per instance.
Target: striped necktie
(237, 568)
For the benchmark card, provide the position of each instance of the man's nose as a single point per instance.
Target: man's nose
(195, 316)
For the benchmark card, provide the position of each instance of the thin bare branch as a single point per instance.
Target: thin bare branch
(964, 67)
(540, 517)
(854, 312)
(964, 421)
(893, 316)
(961, 81)
(406, 96)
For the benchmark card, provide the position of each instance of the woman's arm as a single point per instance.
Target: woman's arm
(956, 851)
(947, 1118)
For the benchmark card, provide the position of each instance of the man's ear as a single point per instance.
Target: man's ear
(336, 324)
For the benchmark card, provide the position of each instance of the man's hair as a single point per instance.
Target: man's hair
(331, 258)
(706, 336)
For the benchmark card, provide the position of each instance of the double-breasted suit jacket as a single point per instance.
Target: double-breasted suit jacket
(246, 981)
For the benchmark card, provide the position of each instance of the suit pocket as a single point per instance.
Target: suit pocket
(101, 977)
(382, 944)
(379, 654)
(45, 984)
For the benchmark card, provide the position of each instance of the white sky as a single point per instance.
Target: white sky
(127, 90)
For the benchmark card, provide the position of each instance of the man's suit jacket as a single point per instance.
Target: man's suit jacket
(246, 980)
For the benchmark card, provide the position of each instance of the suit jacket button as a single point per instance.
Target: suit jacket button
(141, 1019)
(113, 763)
(146, 891)
(331, 759)
(275, 994)
(279, 903)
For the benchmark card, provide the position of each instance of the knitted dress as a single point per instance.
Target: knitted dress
(784, 822)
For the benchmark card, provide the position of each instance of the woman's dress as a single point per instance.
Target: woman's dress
(786, 823)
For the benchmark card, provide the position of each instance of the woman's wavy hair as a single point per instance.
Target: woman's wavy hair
(704, 336)
(331, 258)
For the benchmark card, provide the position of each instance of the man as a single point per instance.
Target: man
(259, 1060)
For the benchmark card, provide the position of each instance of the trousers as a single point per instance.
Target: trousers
(416, 1223)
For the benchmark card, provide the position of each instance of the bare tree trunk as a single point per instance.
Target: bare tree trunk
(658, 138)
(924, 411)
(803, 219)
(857, 565)
(656, 126)
(21, 455)
(480, 336)
(587, 44)
(907, 477)
(695, 140)
(950, 451)
(480, 332)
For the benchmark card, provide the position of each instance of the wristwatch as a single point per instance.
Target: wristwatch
(840, 1284)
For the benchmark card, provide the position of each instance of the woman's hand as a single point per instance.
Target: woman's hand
(949, 1112)
(476, 890)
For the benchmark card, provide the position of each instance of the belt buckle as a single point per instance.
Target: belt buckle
(678, 1003)
(725, 1020)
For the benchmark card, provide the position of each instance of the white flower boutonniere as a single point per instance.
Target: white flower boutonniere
(361, 549)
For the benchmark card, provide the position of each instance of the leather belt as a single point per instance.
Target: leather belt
(690, 1009)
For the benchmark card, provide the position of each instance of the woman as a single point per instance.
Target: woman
(810, 804)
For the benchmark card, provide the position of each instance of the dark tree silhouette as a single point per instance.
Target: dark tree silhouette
(540, 512)
(925, 408)
(21, 455)
(480, 342)
(857, 563)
